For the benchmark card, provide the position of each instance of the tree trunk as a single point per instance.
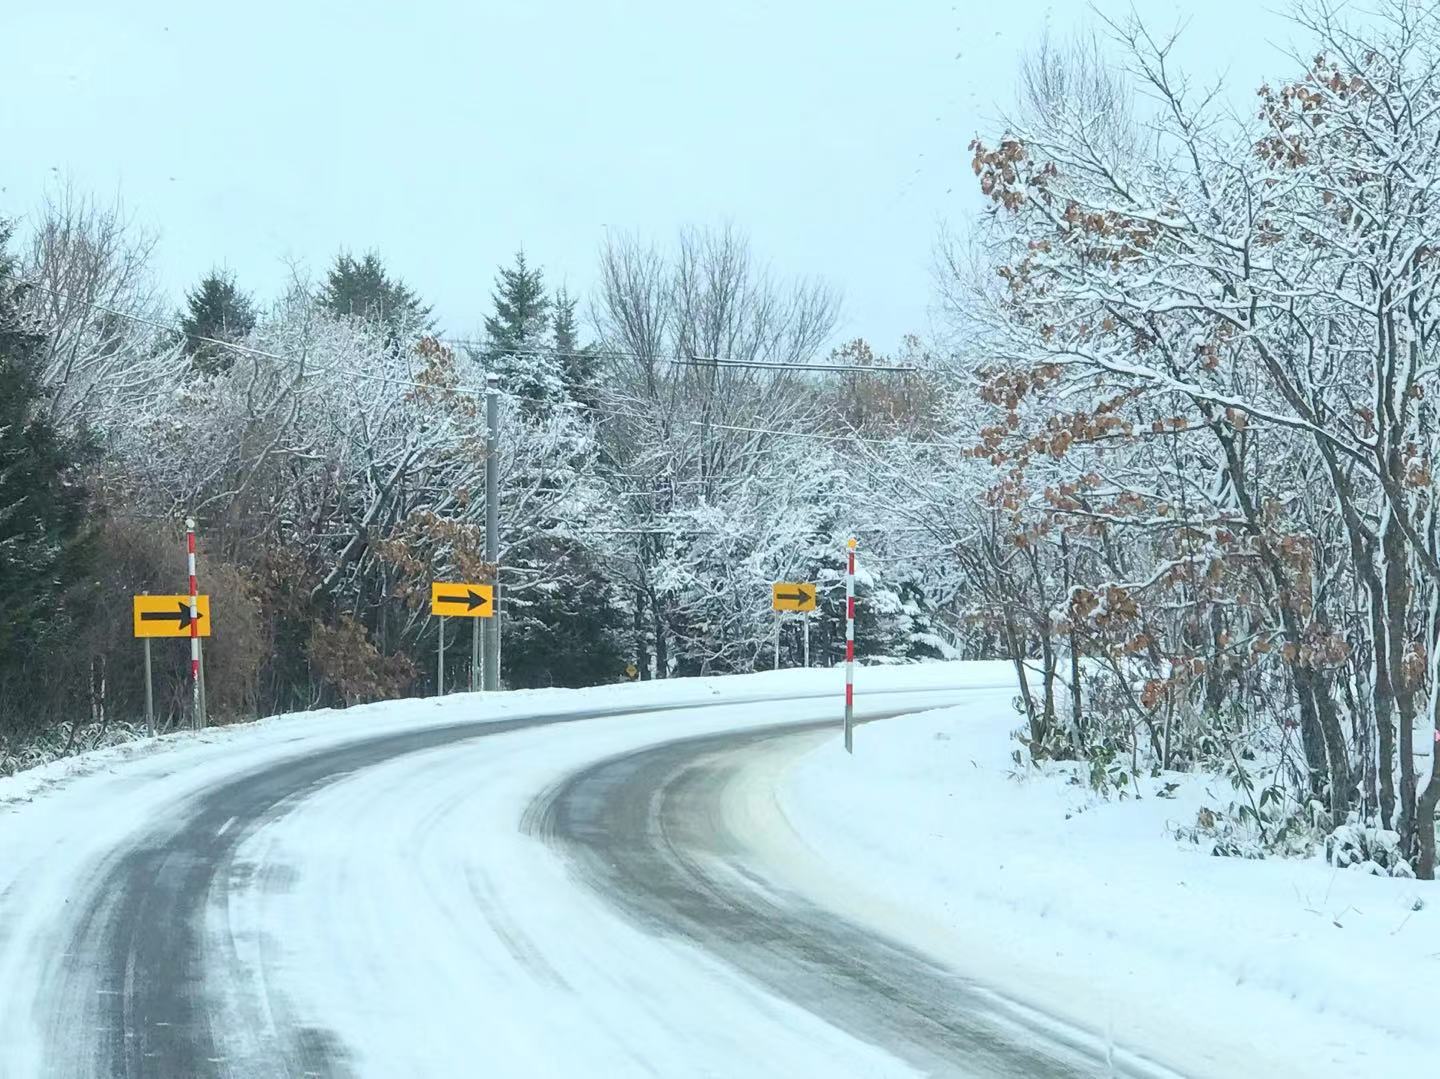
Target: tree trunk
(1335, 750)
(1382, 694)
(1076, 709)
(1047, 674)
(1017, 657)
(642, 652)
(1397, 605)
(1312, 740)
(662, 651)
(1425, 828)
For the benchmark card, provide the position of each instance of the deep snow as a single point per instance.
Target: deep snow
(1090, 909)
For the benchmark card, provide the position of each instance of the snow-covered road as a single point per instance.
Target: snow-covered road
(540, 884)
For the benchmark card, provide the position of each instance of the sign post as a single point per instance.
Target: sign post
(149, 694)
(797, 597)
(474, 655)
(440, 663)
(793, 597)
(198, 716)
(474, 601)
(850, 645)
(169, 616)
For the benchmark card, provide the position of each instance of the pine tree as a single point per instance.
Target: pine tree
(516, 344)
(361, 288)
(567, 636)
(557, 636)
(580, 365)
(522, 310)
(218, 311)
(44, 539)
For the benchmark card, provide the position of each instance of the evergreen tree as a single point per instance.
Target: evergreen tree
(522, 309)
(215, 309)
(361, 288)
(516, 344)
(556, 636)
(568, 636)
(580, 365)
(44, 548)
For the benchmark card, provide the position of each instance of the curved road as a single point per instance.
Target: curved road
(498, 898)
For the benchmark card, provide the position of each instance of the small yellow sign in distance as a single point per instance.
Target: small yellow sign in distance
(169, 616)
(462, 600)
(792, 596)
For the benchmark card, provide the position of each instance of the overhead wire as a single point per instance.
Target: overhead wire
(605, 412)
(675, 359)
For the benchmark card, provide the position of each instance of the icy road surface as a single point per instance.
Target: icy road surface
(539, 884)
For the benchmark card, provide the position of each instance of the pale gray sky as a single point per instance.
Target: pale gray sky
(448, 133)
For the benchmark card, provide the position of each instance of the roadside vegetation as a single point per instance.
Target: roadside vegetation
(1170, 453)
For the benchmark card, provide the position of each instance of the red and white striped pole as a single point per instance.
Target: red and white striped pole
(850, 646)
(194, 620)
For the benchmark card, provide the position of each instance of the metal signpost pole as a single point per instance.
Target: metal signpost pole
(149, 694)
(204, 702)
(807, 638)
(471, 599)
(440, 662)
(777, 642)
(474, 654)
(183, 615)
(492, 525)
(850, 646)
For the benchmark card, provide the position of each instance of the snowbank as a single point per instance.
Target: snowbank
(1091, 910)
(301, 731)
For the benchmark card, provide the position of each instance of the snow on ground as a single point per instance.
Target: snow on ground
(373, 934)
(1081, 908)
(1091, 910)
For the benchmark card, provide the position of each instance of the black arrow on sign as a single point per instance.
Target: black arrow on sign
(181, 615)
(471, 599)
(799, 596)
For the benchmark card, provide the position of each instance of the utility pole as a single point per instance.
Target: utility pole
(850, 645)
(492, 525)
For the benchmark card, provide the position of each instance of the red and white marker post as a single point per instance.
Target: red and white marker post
(850, 646)
(198, 719)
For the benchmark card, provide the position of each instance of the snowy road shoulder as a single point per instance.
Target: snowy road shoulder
(1090, 910)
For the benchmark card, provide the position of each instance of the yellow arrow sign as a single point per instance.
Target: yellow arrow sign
(462, 600)
(792, 596)
(169, 616)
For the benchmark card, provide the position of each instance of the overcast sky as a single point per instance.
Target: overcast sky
(446, 134)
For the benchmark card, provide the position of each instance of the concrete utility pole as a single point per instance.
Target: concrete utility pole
(492, 525)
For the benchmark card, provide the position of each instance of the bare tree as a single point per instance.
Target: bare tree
(88, 265)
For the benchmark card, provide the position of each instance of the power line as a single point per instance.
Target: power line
(675, 359)
(776, 365)
(605, 413)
